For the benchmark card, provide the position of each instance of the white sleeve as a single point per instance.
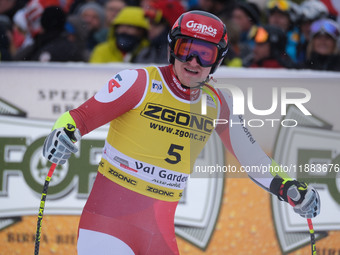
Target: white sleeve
(240, 142)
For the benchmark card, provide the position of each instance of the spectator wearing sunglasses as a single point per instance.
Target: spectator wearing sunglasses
(285, 14)
(269, 50)
(311, 10)
(322, 50)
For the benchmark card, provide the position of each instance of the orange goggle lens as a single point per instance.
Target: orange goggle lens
(261, 35)
(186, 48)
(282, 5)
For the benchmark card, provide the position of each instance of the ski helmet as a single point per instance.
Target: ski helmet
(325, 26)
(312, 10)
(203, 28)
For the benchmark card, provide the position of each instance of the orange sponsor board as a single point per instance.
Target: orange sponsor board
(244, 226)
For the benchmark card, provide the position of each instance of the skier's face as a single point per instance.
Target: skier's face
(190, 73)
(193, 60)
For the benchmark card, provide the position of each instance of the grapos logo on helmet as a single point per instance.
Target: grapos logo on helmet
(200, 28)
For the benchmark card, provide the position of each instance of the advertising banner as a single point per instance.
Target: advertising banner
(292, 115)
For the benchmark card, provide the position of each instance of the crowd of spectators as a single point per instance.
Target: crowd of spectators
(299, 34)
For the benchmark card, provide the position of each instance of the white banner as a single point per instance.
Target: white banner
(36, 94)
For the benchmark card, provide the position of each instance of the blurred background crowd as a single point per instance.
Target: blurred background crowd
(262, 33)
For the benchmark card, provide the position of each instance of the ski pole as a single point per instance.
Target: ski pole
(41, 208)
(312, 236)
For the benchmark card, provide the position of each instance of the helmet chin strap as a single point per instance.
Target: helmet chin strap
(200, 84)
(201, 87)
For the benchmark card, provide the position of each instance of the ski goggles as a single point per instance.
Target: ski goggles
(282, 5)
(325, 26)
(187, 48)
(261, 35)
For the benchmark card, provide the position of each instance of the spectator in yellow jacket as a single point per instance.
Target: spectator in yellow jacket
(126, 38)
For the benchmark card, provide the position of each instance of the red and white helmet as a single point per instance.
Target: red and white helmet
(201, 26)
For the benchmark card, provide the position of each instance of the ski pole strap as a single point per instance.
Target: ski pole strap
(279, 187)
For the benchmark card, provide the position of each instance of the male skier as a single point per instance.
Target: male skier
(144, 170)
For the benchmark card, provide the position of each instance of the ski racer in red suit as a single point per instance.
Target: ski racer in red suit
(146, 160)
